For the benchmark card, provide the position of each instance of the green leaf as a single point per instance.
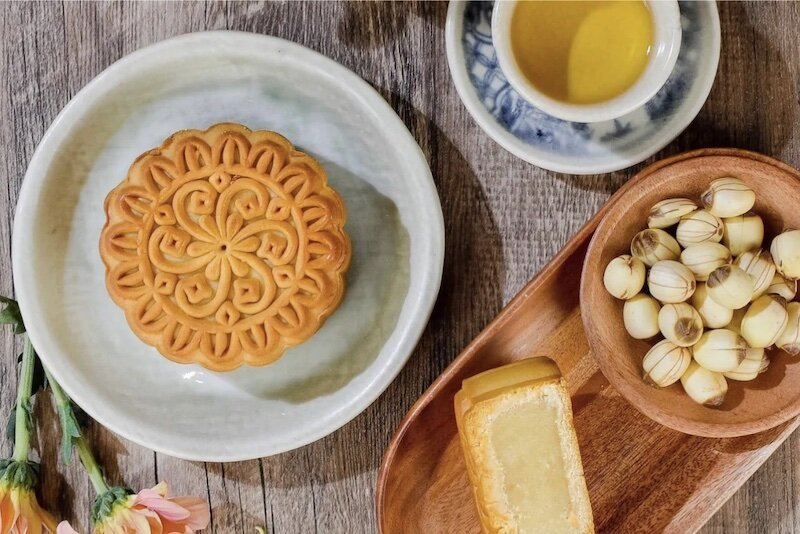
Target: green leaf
(39, 383)
(4, 463)
(70, 429)
(105, 503)
(11, 427)
(19, 474)
(11, 315)
(27, 408)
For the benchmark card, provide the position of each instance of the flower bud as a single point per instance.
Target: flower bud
(669, 212)
(665, 363)
(730, 286)
(654, 245)
(670, 281)
(703, 258)
(699, 227)
(758, 264)
(704, 386)
(789, 340)
(712, 314)
(720, 350)
(755, 362)
(680, 324)
(783, 287)
(743, 233)
(786, 254)
(624, 276)
(640, 315)
(728, 197)
(765, 320)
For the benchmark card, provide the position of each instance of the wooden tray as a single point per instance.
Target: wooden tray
(642, 477)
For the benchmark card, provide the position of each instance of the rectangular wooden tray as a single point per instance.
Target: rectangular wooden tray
(642, 477)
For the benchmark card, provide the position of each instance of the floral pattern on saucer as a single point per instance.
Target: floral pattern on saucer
(540, 130)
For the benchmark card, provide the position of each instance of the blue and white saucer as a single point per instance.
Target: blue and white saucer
(572, 147)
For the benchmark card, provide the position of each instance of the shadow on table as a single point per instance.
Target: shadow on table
(57, 494)
(368, 25)
(754, 99)
(470, 296)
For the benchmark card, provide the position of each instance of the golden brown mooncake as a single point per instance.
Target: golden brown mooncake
(225, 247)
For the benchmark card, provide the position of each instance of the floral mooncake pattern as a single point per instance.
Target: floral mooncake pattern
(225, 247)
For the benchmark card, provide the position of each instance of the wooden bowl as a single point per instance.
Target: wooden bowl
(749, 407)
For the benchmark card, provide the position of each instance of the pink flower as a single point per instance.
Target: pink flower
(151, 511)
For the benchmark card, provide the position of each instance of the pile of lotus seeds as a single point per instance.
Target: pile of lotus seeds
(716, 295)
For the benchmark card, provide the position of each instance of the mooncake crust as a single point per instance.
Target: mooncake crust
(484, 471)
(225, 247)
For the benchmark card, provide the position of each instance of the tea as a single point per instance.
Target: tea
(582, 52)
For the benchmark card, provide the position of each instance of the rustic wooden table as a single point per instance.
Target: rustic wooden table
(504, 221)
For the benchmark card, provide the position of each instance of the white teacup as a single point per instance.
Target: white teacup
(663, 55)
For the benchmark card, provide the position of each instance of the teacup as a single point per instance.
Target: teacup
(661, 61)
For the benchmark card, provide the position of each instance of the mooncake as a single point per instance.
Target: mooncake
(225, 247)
(516, 428)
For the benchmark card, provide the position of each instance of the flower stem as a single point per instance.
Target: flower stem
(89, 462)
(22, 430)
(87, 458)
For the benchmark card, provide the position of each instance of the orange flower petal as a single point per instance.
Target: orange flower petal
(199, 512)
(8, 512)
(111, 527)
(20, 513)
(162, 488)
(176, 528)
(29, 509)
(21, 525)
(48, 520)
(154, 522)
(138, 523)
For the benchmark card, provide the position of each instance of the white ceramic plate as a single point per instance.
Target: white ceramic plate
(574, 147)
(193, 81)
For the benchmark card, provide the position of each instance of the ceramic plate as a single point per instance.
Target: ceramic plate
(193, 81)
(572, 147)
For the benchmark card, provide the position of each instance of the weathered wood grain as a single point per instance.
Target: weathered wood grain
(505, 219)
